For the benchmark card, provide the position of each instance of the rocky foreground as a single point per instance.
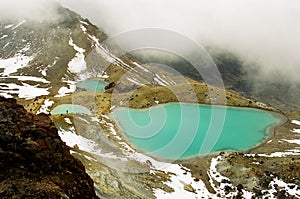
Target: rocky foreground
(35, 163)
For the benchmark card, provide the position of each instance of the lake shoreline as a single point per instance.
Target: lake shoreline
(268, 132)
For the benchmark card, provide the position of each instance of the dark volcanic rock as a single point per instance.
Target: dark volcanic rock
(110, 85)
(35, 163)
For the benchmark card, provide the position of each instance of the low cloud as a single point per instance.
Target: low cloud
(266, 32)
(27, 9)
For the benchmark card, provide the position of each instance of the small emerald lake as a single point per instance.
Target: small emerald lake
(182, 130)
(92, 85)
(70, 108)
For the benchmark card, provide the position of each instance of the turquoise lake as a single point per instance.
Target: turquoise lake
(70, 108)
(182, 130)
(92, 85)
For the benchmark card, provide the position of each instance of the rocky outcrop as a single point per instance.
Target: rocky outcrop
(35, 163)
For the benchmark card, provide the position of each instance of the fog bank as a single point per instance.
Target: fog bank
(266, 31)
(27, 9)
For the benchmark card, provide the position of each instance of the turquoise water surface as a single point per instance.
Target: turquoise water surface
(92, 85)
(181, 130)
(70, 108)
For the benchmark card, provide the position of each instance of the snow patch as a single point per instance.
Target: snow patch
(63, 91)
(28, 78)
(286, 186)
(8, 26)
(104, 53)
(44, 71)
(277, 154)
(95, 119)
(109, 57)
(83, 22)
(19, 24)
(112, 107)
(126, 146)
(83, 28)
(296, 141)
(45, 107)
(6, 45)
(77, 64)
(71, 139)
(67, 120)
(11, 65)
(141, 67)
(296, 130)
(162, 81)
(159, 81)
(118, 137)
(179, 177)
(4, 36)
(217, 177)
(82, 119)
(25, 91)
(25, 49)
(135, 81)
(296, 122)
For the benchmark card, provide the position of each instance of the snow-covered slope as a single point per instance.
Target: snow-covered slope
(39, 57)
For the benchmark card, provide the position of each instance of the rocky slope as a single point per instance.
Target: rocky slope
(35, 163)
(274, 89)
(44, 55)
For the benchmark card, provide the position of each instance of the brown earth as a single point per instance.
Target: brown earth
(35, 163)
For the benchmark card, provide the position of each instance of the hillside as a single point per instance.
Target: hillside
(44, 56)
(35, 163)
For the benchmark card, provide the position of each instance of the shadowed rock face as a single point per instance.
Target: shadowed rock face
(35, 163)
